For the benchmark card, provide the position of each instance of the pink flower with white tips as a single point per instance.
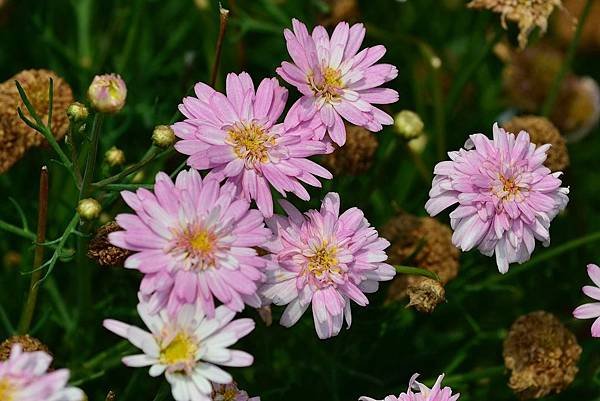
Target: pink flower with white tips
(336, 80)
(24, 376)
(237, 136)
(187, 348)
(193, 240)
(591, 310)
(323, 258)
(506, 196)
(423, 393)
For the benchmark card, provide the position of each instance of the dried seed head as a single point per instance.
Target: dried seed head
(526, 13)
(408, 124)
(111, 396)
(266, 315)
(102, 251)
(579, 109)
(422, 242)
(542, 131)
(28, 343)
(425, 294)
(15, 136)
(541, 354)
(356, 156)
(89, 209)
(108, 93)
(341, 10)
(163, 136)
(114, 157)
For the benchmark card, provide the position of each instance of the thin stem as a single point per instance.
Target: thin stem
(126, 187)
(29, 308)
(224, 18)
(16, 230)
(566, 66)
(150, 156)
(439, 113)
(416, 271)
(90, 164)
(74, 154)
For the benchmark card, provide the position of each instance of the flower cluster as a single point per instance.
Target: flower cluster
(196, 240)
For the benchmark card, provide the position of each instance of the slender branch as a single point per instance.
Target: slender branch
(75, 155)
(29, 308)
(566, 66)
(416, 271)
(16, 230)
(90, 164)
(152, 154)
(224, 19)
(125, 187)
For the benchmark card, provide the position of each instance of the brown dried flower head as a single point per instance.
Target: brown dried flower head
(422, 242)
(340, 10)
(102, 251)
(356, 156)
(28, 343)
(526, 13)
(425, 294)
(542, 131)
(542, 355)
(15, 136)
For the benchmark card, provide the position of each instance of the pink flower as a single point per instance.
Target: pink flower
(193, 239)
(24, 376)
(230, 392)
(336, 80)
(237, 136)
(506, 197)
(591, 310)
(187, 348)
(423, 393)
(323, 258)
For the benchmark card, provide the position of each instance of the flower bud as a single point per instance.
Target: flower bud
(77, 112)
(114, 157)
(163, 136)
(418, 144)
(89, 208)
(408, 124)
(108, 93)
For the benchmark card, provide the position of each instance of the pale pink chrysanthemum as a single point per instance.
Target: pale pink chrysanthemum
(230, 392)
(423, 393)
(336, 80)
(591, 310)
(24, 376)
(187, 348)
(323, 258)
(193, 239)
(237, 136)
(506, 196)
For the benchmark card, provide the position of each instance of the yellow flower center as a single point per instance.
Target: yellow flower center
(6, 390)
(330, 86)
(251, 142)
(324, 261)
(182, 349)
(229, 394)
(202, 242)
(508, 190)
(196, 247)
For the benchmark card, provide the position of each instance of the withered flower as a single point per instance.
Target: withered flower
(356, 156)
(15, 136)
(28, 343)
(102, 251)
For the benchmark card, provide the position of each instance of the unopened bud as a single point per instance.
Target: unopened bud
(114, 157)
(408, 124)
(163, 136)
(418, 144)
(108, 93)
(89, 208)
(77, 112)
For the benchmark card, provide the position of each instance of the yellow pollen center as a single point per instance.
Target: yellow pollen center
(202, 242)
(509, 185)
(251, 142)
(330, 86)
(6, 390)
(332, 77)
(324, 261)
(181, 350)
(230, 394)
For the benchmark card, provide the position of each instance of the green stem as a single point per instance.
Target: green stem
(29, 308)
(126, 187)
(150, 156)
(90, 164)
(416, 271)
(566, 66)
(16, 230)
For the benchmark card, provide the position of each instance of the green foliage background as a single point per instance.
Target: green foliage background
(161, 48)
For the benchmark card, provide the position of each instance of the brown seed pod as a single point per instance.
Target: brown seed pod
(356, 156)
(102, 251)
(15, 136)
(542, 131)
(28, 343)
(542, 355)
(425, 294)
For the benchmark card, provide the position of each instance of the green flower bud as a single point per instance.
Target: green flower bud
(163, 136)
(408, 124)
(89, 208)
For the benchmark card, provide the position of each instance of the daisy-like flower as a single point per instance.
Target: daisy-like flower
(193, 239)
(237, 136)
(591, 310)
(423, 393)
(230, 392)
(506, 196)
(323, 258)
(187, 348)
(24, 376)
(336, 80)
